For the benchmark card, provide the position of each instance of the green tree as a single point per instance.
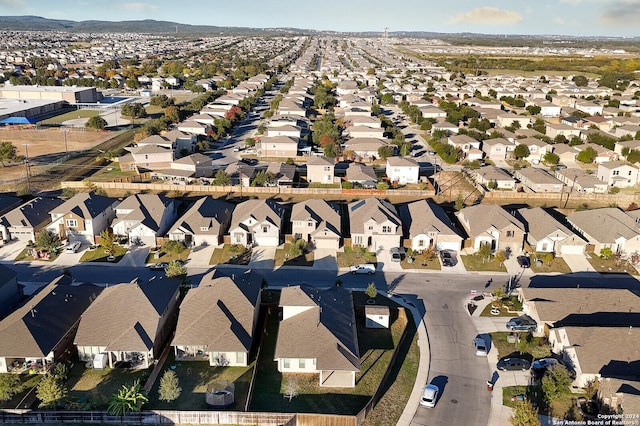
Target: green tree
(500, 257)
(385, 152)
(459, 205)
(169, 387)
(330, 150)
(249, 142)
(175, 269)
(260, 179)
(606, 253)
(10, 385)
(382, 186)
(173, 247)
(134, 110)
(96, 122)
(48, 240)
(127, 399)
(580, 80)
(108, 241)
(524, 414)
(371, 291)
(555, 382)
(521, 151)
(387, 99)
(551, 158)
(50, 391)
(547, 258)
(222, 178)
(587, 155)
(485, 251)
(7, 152)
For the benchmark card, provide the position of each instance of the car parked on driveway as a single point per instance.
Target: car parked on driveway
(429, 396)
(544, 363)
(363, 268)
(524, 261)
(446, 258)
(511, 364)
(73, 247)
(396, 253)
(522, 323)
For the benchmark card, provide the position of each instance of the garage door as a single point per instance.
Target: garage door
(327, 243)
(572, 249)
(453, 246)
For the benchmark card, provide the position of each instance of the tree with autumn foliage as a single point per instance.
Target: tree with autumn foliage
(234, 113)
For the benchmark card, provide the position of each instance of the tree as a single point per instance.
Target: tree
(249, 142)
(556, 382)
(371, 291)
(521, 151)
(580, 80)
(525, 414)
(169, 387)
(127, 399)
(222, 178)
(385, 152)
(291, 387)
(500, 257)
(173, 247)
(173, 113)
(587, 155)
(48, 240)
(107, 241)
(551, 158)
(330, 150)
(547, 258)
(50, 391)
(260, 179)
(485, 251)
(606, 253)
(175, 269)
(7, 152)
(96, 122)
(10, 385)
(459, 205)
(134, 110)
(387, 99)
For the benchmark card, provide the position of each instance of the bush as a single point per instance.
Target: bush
(10, 385)
(347, 185)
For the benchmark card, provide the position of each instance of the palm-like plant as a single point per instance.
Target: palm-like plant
(128, 399)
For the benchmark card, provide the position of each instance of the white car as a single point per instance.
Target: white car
(480, 346)
(73, 247)
(363, 268)
(429, 396)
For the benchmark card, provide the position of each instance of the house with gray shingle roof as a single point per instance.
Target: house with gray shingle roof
(145, 217)
(607, 228)
(320, 169)
(257, 222)
(41, 331)
(427, 225)
(374, 224)
(493, 225)
(317, 335)
(25, 221)
(545, 234)
(317, 222)
(205, 223)
(280, 174)
(217, 321)
(240, 173)
(361, 175)
(129, 322)
(538, 180)
(580, 181)
(402, 170)
(494, 177)
(82, 217)
(618, 174)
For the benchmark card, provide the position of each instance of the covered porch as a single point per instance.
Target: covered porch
(337, 378)
(190, 353)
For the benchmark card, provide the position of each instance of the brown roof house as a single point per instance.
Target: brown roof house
(257, 222)
(320, 169)
(375, 224)
(217, 322)
(24, 222)
(607, 228)
(83, 217)
(546, 235)
(129, 322)
(317, 222)
(205, 223)
(317, 335)
(362, 175)
(145, 217)
(427, 225)
(493, 225)
(40, 332)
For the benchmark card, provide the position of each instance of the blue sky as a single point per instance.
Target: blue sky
(570, 17)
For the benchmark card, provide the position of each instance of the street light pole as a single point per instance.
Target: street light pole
(66, 149)
(26, 165)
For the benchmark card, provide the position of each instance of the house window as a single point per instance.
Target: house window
(286, 363)
(616, 172)
(420, 243)
(301, 363)
(265, 229)
(544, 247)
(309, 224)
(204, 228)
(386, 229)
(240, 357)
(510, 233)
(370, 227)
(237, 237)
(357, 239)
(72, 223)
(146, 156)
(327, 168)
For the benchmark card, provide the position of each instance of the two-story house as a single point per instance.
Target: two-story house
(320, 169)
(257, 222)
(25, 221)
(375, 224)
(145, 217)
(318, 222)
(618, 174)
(402, 170)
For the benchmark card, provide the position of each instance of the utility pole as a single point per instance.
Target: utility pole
(66, 149)
(26, 165)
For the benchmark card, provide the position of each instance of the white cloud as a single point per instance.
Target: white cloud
(487, 15)
(137, 7)
(622, 12)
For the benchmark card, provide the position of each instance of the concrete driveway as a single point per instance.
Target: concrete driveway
(9, 251)
(325, 260)
(200, 256)
(263, 258)
(577, 262)
(135, 256)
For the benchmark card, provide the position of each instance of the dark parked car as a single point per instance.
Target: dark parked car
(158, 266)
(513, 364)
(524, 261)
(446, 258)
(522, 323)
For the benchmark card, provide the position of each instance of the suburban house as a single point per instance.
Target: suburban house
(537, 149)
(217, 321)
(40, 332)
(538, 180)
(432, 111)
(317, 222)
(375, 224)
(557, 129)
(24, 222)
(317, 335)
(240, 173)
(607, 228)
(497, 148)
(143, 218)
(204, 224)
(365, 147)
(580, 181)
(493, 225)
(402, 170)
(147, 157)
(546, 235)
(10, 292)
(320, 169)
(82, 217)
(194, 166)
(492, 177)
(465, 143)
(357, 132)
(284, 130)
(361, 175)
(278, 146)
(280, 174)
(257, 222)
(566, 153)
(129, 322)
(618, 174)
(427, 225)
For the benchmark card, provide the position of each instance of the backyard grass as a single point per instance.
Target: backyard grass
(71, 115)
(95, 387)
(168, 257)
(611, 266)
(324, 185)
(420, 263)
(505, 305)
(99, 255)
(557, 265)
(194, 377)
(110, 172)
(232, 254)
(282, 257)
(376, 349)
(562, 406)
(26, 255)
(475, 262)
(354, 256)
(28, 382)
(535, 348)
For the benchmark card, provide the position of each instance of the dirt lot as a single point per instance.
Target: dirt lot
(44, 144)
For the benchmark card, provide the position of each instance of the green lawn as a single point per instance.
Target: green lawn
(28, 381)
(94, 387)
(168, 257)
(71, 115)
(324, 185)
(354, 256)
(26, 254)
(99, 255)
(611, 265)
(505, 305)
(282, 258)
(232, 254)
(420, 263)
(111, 171)
(536, 347)
(475, 262)
(376, 349)
(563, 406)
(194, 377)
(557, 265)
